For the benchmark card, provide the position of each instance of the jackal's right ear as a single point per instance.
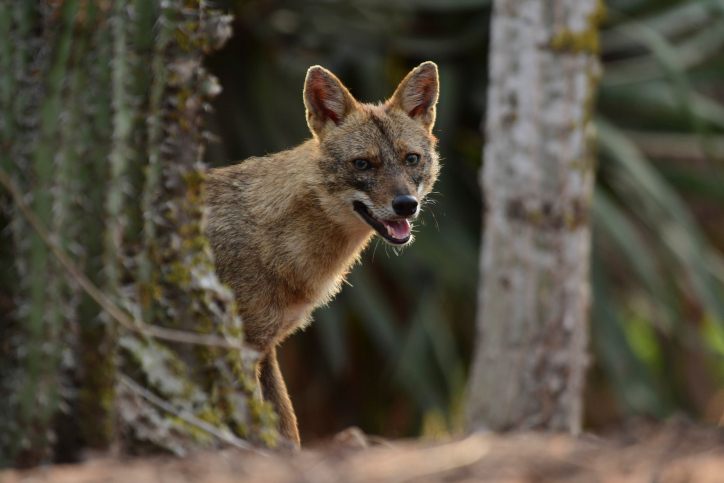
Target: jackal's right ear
(327, 101)
(417, 94)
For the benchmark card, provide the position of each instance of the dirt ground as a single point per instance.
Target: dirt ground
(676, 452)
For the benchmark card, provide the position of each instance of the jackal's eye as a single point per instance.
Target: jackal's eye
(412, 159)
(361, 164)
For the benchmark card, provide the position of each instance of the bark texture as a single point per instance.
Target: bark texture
(530, 360)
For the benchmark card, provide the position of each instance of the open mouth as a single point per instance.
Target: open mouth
(396, 232)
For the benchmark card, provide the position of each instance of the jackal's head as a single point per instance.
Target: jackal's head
(378, 161)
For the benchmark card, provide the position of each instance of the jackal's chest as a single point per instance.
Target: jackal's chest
(320, 278)
(298, 315)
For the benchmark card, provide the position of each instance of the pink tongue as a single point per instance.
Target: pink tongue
(398, 229)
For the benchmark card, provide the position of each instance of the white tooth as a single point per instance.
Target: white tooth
(389, 230)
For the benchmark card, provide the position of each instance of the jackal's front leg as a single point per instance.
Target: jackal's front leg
(275, 391)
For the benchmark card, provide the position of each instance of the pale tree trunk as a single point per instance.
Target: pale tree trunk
(530, 361)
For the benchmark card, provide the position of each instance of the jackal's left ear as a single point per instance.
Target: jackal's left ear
(327, 101)
(417, 94)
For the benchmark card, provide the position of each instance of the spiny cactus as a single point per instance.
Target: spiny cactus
(101, 130)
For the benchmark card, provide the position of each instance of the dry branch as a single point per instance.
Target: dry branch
(190, 418)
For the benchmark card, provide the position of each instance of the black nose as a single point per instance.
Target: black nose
(405, 205)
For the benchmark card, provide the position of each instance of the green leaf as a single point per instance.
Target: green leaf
(661, 209)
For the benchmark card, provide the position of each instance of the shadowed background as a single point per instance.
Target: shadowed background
(390, 354)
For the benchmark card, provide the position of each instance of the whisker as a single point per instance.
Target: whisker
(432, 213)
(375, 249)
(437, 227)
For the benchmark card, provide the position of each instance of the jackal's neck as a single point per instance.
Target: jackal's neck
(324, 237)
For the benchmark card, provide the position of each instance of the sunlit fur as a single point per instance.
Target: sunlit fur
(283, 228)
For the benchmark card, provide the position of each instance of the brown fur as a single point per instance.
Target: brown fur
(283, 228)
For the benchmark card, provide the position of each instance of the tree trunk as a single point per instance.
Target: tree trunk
(530, 360)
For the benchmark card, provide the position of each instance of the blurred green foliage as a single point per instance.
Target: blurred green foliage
(391, 353)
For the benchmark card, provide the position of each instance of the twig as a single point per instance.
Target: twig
(96, 294)
(190, 418)
(401, 464)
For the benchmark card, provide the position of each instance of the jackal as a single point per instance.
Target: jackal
(287, 228)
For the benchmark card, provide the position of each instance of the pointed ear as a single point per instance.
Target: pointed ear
(417, 94)
(327, 101)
